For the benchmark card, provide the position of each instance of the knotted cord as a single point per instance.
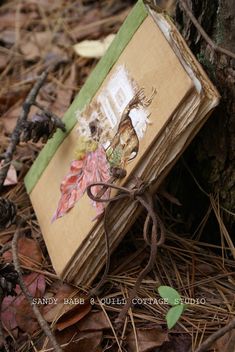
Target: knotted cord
(141, 194)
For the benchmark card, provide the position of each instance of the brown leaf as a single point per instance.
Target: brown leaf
(61, 291)
(94, 321)
(29, 251)
(147, 339)
(70, 307)
(226, 343)
(73, 316)
(35, 284)
(25, 318)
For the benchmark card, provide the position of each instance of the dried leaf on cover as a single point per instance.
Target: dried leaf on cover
(147, 339)
(93, 167)
(94, 48)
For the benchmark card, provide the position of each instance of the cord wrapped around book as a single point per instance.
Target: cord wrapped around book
(139, 193)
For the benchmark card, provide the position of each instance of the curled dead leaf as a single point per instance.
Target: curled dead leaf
(73, 316)
(69, 307)
(93, 48)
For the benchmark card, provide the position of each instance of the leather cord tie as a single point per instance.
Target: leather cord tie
(154, 237)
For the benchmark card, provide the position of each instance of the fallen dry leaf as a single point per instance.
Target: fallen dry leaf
(25, 317)
(35, 284)
(93, 48)
(226, 343)
(62, 291)
(11, 178)
(70, 307)
(94, 321)
(147, 339)
(29, 251)
(73, 316)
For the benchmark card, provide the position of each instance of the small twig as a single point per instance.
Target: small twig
(42, 322)
(215, 336)
(15, 137)
(58, 122)
(206, 37)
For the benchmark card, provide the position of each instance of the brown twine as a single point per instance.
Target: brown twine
(140, 193)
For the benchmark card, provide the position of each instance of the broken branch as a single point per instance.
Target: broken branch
(15, 137)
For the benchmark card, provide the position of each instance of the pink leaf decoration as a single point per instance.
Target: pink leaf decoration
(94, 167)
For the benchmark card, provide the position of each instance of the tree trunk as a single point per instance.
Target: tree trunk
(211, 156)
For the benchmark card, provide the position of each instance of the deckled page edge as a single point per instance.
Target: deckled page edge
(184, 54)
(127, 30)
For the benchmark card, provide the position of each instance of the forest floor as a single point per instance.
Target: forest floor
(31, 34)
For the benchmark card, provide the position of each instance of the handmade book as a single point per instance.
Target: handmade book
(139, 109)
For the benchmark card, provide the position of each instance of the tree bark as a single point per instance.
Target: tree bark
(211, 156)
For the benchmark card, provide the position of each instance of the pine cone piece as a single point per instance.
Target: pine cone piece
(8, 279)
(7, 213)
(40, 127)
